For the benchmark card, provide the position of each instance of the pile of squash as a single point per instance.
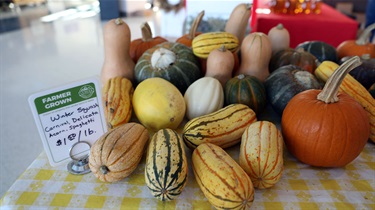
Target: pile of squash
(215, 86)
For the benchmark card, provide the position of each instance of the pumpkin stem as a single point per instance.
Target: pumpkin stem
(331, 88)
(366, 57)
(222, 48)
(241, 76)
(146, 32)
(104, 169)
(119, 21)
(195, 25)
(364, 37)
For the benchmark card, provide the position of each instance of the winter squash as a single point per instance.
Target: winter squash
(158, 104)
(117, 153)
(166, 166)
(248, 90)
(220, 64)
(256, 52)
(174, 62)
(223, 182)
(287, 81)
(187, 39)
(117, 61)
(223, 127)
(365, 73)
(325, 128)
(139, 46)
(261, 154)
(358, 47)
(204, 43)
(238, 20)
(298, 57)
(279, 37)
(203, 97)
(117, 96)
(353, 88)
(321, 50)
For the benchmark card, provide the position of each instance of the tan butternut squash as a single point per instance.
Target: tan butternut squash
(220, 64)
(117, 61)
(256, 52)
(279, 37)
(238, 20)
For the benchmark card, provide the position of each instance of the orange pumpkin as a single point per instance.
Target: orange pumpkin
(358, 47)
(139, 46)
(325, 128)
(187, 39)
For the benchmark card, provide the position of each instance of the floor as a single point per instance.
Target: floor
(36, 57)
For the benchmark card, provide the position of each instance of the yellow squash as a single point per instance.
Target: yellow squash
(204, 43)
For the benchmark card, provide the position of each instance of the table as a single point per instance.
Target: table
(301, 187)
(329, 26)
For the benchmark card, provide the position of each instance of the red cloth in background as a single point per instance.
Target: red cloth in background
(329, 26)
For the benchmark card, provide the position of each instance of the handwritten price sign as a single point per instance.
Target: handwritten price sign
(66, 115)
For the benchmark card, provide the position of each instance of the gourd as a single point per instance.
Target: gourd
(187, 39)
(279, 37)
(139, 46)
(256, 52)
(248, 90)
(204, 43)
(117, 153)
(220, 64)
(158, 104)
(166, 165)
(223, 127)
(351, 87)
(286, 82)
(365, 73)
(174, 62)
(298, 57)
(117, 61)
(238, 21)
(261, 154)
(358, 47)
(326, 128)
(321, 50)
(203, 97)
(117, 96)
(223, 182)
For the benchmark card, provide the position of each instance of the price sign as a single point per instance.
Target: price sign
(66, 115)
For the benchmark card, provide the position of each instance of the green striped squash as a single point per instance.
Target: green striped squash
(222, 180)
(248, 90)
(174, 62)
(204, 43)
(223, 128)
(166, 165)
(321, 50)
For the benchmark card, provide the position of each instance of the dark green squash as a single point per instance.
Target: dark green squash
(299, 57)
(321, 50)
(365, 73)
(372, 90)
(286, 82)
(174, 62)
(248, 90)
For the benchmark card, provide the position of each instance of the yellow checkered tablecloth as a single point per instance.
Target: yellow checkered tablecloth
(301, 187)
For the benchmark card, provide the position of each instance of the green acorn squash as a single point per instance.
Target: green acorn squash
(174, 62)
(299, 57)
(321, 50)
(248, 90)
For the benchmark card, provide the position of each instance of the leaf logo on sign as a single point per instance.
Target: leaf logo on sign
(86, 91)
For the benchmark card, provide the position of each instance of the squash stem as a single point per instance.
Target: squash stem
(364, 37)
(104, 169)
(146, 32)
(195, 24)
(331, 88)
(119, 21)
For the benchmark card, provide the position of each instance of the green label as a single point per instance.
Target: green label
(64, 98)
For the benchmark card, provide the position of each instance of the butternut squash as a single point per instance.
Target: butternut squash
(256, 52)
(117, 61)
(279, 37)
(238, 21)
(220, 64)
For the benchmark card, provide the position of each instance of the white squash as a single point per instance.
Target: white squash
(204, 96)
(279, 37)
